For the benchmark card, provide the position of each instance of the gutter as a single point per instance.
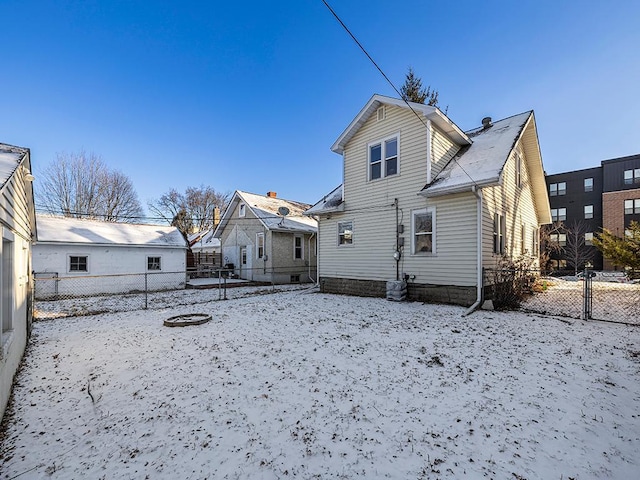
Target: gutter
(479, 279)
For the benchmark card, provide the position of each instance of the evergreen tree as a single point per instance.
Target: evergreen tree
(621, 251)
(413, 91)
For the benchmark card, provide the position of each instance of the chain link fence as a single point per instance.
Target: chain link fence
(589, 295)
(61, 296)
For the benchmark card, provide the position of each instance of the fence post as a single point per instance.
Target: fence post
(146, 291)
(587, 295)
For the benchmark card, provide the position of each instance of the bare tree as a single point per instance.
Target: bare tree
(548, 246)
(195, 210)
(81, 185)
(577, 252)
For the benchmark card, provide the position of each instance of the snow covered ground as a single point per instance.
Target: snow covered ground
(309, 385)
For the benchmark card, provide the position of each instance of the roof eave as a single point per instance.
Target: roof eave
(428, 111)
(466, 187)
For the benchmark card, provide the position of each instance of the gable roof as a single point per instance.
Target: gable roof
(10, 159)
(481, 163)
(205, 240)
(331, 202)
(266, 208)
(53, 229)
(376, 101)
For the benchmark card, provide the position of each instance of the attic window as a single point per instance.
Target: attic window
(241, 210)
(382, 114)
(383, 158)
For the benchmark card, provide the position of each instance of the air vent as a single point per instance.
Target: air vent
(381, 114)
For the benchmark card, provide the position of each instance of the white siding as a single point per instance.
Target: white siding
(370, 204)
(16, 225)
(517, 205)
(129, 263)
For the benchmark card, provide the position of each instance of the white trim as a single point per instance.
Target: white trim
(429, 153)
(421, 211)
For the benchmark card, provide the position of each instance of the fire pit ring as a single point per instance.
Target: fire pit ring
(187, 320)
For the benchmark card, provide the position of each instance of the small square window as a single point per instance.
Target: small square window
(78, 264)
(153, 263)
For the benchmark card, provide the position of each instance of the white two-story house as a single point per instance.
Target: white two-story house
(423, 201)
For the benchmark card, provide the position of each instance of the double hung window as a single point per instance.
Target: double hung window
(383, 158)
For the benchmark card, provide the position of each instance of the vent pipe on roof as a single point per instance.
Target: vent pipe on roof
(272, 194)
(486, 122)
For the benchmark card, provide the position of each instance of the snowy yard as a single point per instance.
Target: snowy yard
(308, 385)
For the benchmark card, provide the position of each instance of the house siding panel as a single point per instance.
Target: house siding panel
(517, 205)
(371, 205)
(16, 224)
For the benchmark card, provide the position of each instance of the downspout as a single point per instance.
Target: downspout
(479, 279)
(309, 251)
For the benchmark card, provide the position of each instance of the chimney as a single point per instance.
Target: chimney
(486, 122)
(272, 194)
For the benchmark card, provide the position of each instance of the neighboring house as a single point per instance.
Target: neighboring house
(17, 222)
(607, 196)
(206, 251)
(73, 255)
(426, 202)
(267, 239)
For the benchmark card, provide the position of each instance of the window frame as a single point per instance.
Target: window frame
(77, 256)
(149, 264)
(555, 191)
(242, 210)
(260, 245)
(588, 239)
(634, 208)
(632, 176)
(432, 233)
(589, 215)
(560, 214)
(518, 160)
(384, 159)
(499, 233)
(589, 187)
(535, 242)
(296, 247)
(351, 239)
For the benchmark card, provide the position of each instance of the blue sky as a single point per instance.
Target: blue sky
(251, 95)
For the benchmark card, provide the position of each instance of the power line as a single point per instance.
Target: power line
(389, 81)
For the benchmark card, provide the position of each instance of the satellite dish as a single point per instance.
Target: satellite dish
(284, 211)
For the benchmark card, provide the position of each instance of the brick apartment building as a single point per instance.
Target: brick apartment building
(607, 196)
